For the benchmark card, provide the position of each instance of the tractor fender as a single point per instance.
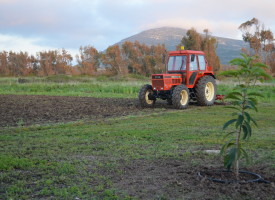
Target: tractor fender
(211, 75)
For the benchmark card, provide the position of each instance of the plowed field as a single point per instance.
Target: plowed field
(34, 109)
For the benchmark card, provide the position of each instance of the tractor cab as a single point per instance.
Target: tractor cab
(183, 67)
(188, 76)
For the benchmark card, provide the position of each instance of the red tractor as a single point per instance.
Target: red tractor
(188, 77)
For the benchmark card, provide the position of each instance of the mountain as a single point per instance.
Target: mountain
(227, 49)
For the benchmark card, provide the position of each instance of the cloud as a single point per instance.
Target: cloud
(31, 45)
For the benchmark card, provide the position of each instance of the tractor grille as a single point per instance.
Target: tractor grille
(158, 83)
(176, 81)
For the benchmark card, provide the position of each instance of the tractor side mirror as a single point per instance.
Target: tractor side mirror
(192, 58)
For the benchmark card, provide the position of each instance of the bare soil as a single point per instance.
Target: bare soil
(177, 179)
(18, 110)
(37, 109)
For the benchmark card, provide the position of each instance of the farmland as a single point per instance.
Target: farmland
(85, 138)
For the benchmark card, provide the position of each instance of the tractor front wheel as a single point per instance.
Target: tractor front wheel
(146, 98)
(206, 91)
(180, 97)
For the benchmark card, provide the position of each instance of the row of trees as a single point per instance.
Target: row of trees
(129, 58)
(43, 64)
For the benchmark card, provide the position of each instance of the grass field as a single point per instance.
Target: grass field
(130, 157)
(70, 86)
(101, 87)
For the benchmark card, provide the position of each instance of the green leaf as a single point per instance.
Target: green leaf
(237, 103)
(247, 115)
(245, 131)
(227, 145)
(232, 96)
(248, 107)
(230, 157)
(252, 104)
(248, 128)
(239, 121)
(236, 94)
(228, 123)
(254, 100)
(258, 64)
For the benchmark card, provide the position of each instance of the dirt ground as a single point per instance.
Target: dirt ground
(176, 179)
(18, 110)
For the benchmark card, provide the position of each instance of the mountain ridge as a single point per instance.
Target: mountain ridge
(227, 48)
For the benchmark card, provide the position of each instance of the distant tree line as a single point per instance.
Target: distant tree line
(131, 57)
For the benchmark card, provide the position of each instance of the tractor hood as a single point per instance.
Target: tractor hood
(165, 81)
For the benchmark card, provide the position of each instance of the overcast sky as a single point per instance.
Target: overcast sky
(36, 25)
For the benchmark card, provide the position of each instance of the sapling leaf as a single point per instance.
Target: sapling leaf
(232, 96)
(245, 132)
(247, 115)
(230, 158)
(236, 94)
(239, 121)
(248, 128)
(228, 123)
(254, 100)
(258, 64)
(248, 107)
(236, 103)
(227, 145)
(252, 104)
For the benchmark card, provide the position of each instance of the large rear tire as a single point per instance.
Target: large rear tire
(146, 98)
(205, 90)
(180, 97)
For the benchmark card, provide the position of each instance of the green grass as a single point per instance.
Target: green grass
(103, 87)
(72, 86)
(66, 161)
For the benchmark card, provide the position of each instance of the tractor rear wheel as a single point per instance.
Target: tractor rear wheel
(180, 97)
(146, 98)
(206, 91)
